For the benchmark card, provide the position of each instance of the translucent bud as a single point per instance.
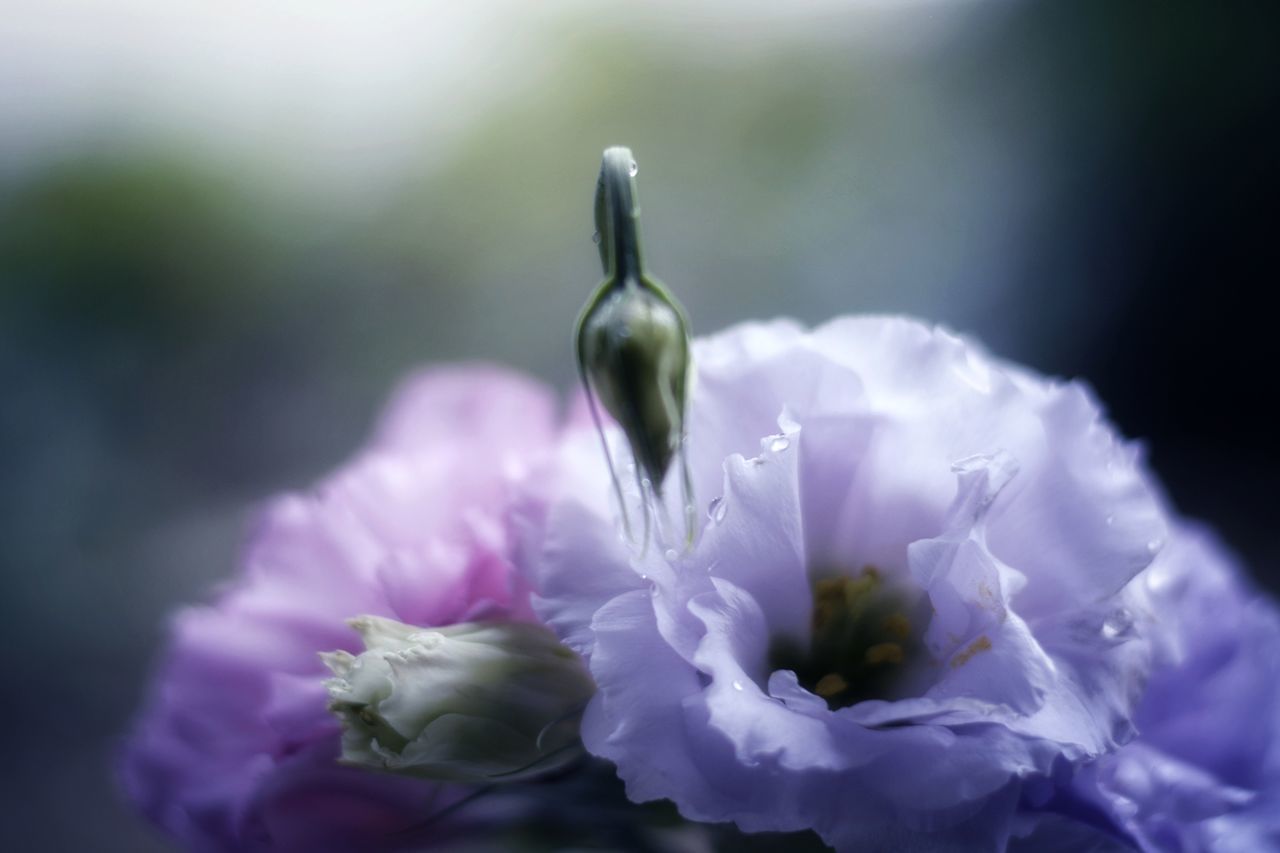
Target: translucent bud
(472, 702)
(632, 337)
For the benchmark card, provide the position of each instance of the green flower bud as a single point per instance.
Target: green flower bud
(632, 337)
(636, 353)
(472, 702)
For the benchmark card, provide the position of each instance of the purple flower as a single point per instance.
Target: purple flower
(908, 597)
(1204, 772)
(235, 748)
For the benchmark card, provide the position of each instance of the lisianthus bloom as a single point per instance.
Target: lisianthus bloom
(1204, 772)
(236, 748)
(906, 601)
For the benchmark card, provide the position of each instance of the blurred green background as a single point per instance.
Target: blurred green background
(225, 231)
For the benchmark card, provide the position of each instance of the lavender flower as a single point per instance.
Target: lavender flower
(1204, 772)
(908, 598)
(235, 748)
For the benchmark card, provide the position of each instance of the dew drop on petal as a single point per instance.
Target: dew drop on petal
(635, 168)
(779, 443)
(1117, 624)
(717, 510)
(737, 685)
(672, 555)
(1161, 581)
(1111, 520)
(1154, 546)
(595, 237)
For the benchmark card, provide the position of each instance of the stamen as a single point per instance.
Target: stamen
(897, 626)
(830, 684)
(864, 636)
(982, 644)
(884, 653)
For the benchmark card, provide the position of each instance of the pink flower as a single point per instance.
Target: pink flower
(235, 748)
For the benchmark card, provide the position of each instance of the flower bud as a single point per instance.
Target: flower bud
(473, 702)
(632, 337)
(635, 353)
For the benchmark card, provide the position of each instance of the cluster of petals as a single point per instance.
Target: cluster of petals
(235, 748)
(1002, 500)
(1204, 772)
(1066, 664)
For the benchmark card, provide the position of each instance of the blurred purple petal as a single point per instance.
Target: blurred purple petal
(235, 748)
(1204, 772)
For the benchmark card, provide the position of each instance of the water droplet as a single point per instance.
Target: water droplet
(1154, 546)
(1111, 520)
(1117, 624)
(779, 443)
(644, 577)
(737, 685)
(635, 168)
(717, 510)
(672, 555)
(1162, 582)
(595, 237)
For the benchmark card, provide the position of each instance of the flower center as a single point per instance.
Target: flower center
(865, 636)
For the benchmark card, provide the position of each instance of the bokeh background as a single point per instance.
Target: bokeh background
(225, 230)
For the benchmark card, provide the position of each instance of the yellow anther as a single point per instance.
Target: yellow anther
(827, 589)
(897, 625)
(828, 600)
(857, 589)
(830, 685)
(982, 644)
(865, 636)
(884, 653)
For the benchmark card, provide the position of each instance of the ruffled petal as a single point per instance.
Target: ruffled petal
(235, 749)
(871, 448)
